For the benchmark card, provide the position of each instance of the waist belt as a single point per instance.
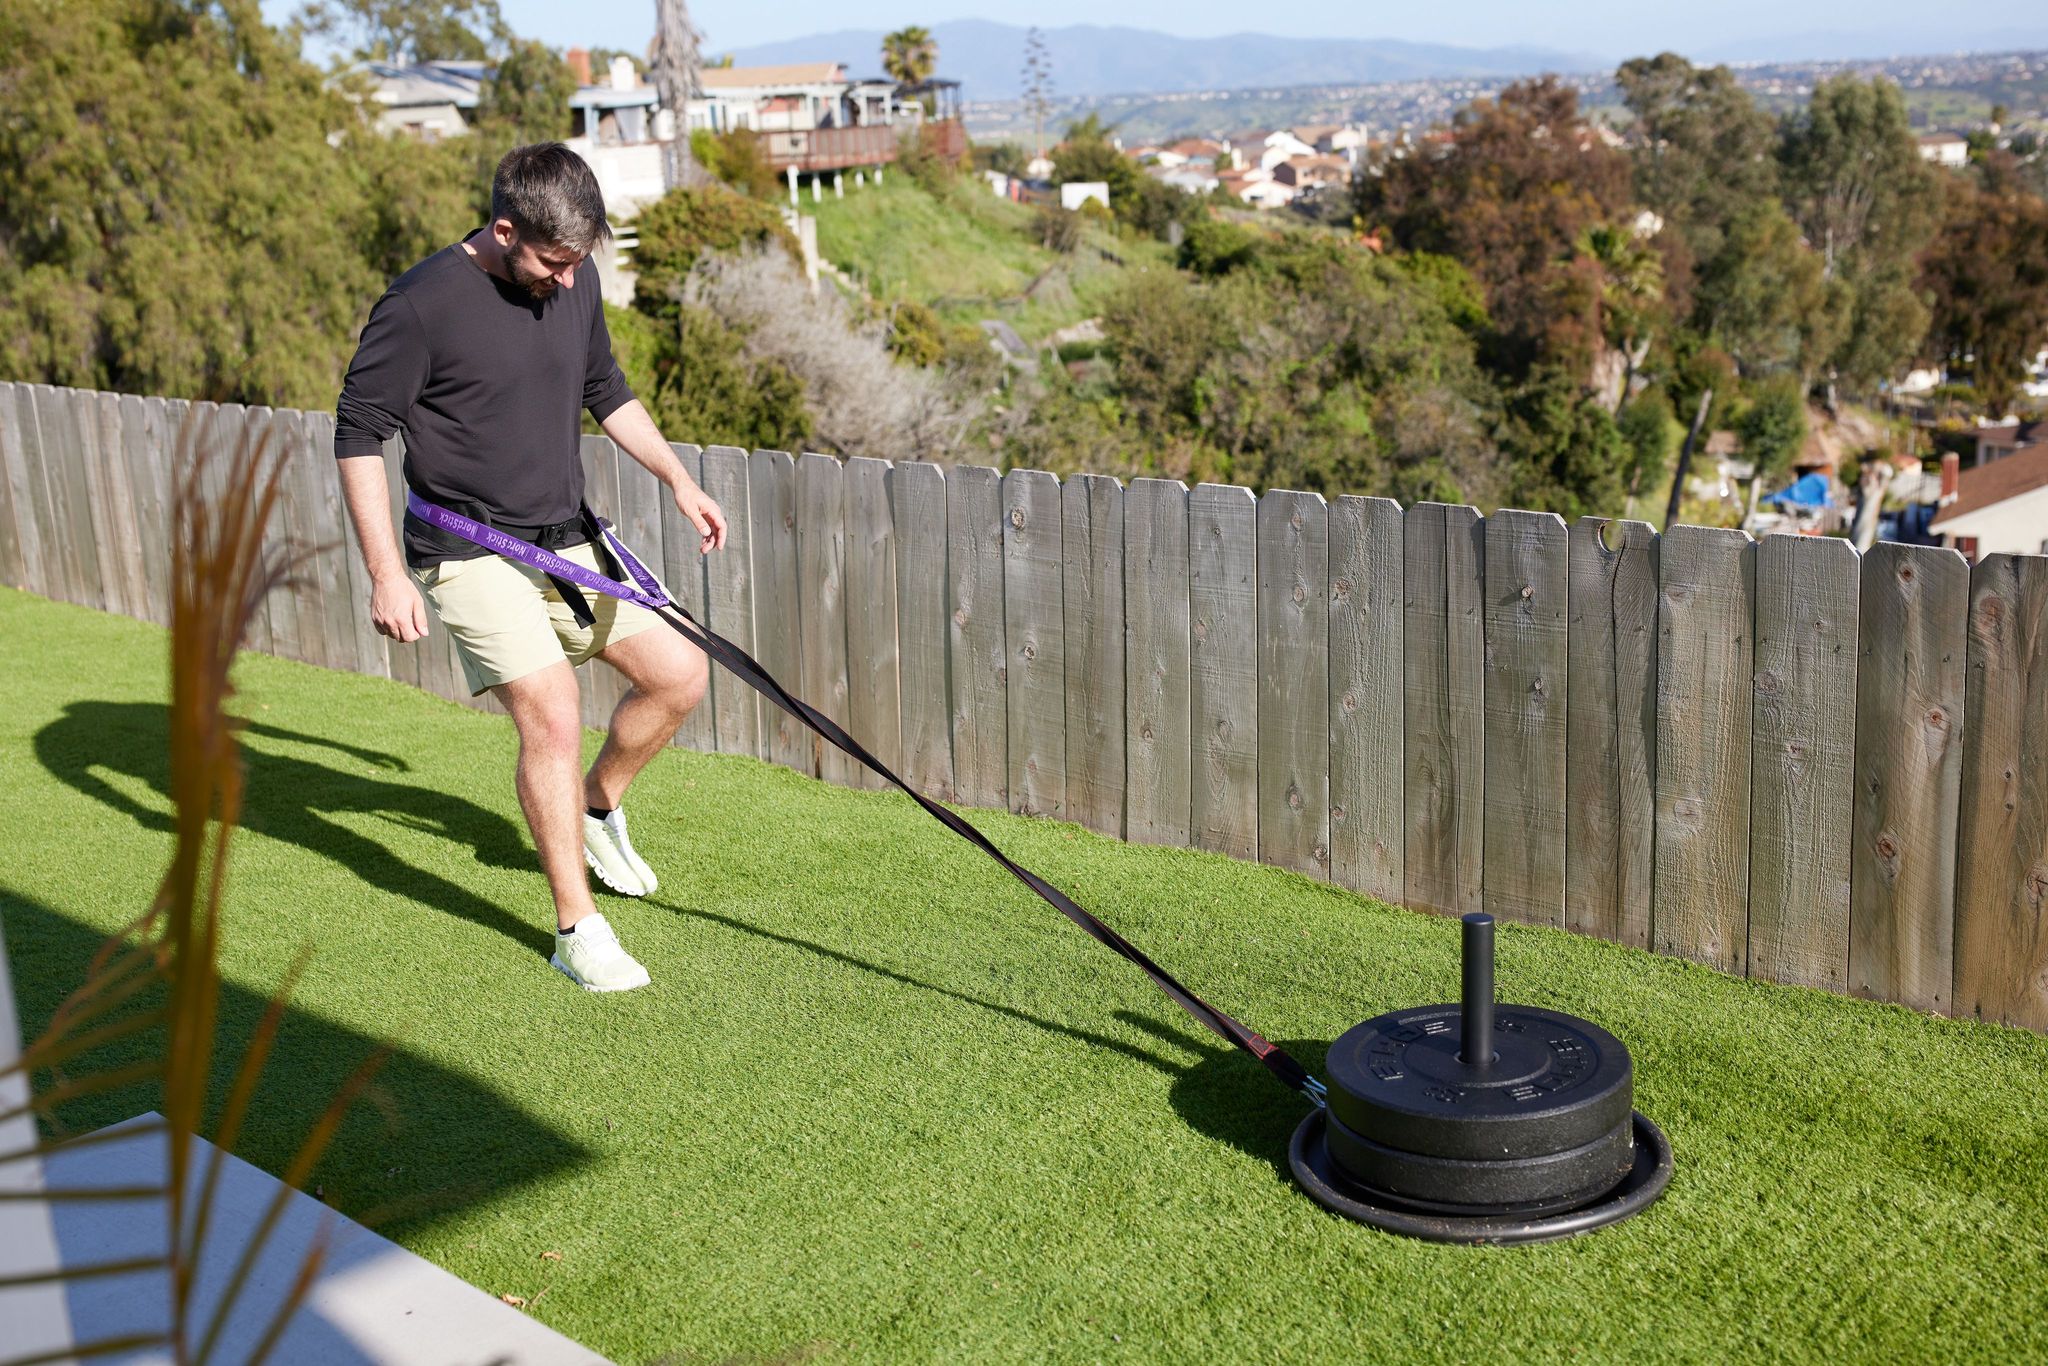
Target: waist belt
(584, 527)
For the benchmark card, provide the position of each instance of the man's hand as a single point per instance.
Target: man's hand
(397, 609)
(704, 514)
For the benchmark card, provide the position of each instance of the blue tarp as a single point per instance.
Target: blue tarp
(1807, 491)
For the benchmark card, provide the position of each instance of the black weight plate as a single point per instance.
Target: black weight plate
(1309, 1158)
(1549, 1182)
(1556, 1082)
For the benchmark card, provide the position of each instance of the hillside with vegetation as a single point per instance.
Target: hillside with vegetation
(1519, 308)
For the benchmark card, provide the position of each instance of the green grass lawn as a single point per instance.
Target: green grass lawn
(970, 255)
(882, 1104)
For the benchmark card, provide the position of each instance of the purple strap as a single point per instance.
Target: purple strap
(646, 590)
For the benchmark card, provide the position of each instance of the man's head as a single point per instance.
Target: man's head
(547, 215)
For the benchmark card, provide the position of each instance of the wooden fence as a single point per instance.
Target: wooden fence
(1778, 758)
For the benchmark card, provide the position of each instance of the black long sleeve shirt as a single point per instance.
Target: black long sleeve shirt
(487, 383)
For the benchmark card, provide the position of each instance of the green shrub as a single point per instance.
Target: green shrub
(918, 156)
(684, 224)
(1213, 247)
(737, 158)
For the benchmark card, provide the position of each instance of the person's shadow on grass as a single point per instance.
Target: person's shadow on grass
(298, 801)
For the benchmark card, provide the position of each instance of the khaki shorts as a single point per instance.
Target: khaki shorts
(508, 620)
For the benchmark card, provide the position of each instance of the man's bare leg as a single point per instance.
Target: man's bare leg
(668, 677)
(545, 712)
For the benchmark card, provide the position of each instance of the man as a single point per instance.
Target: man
(484, 355)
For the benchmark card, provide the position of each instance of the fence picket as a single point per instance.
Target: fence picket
(637, 518)
(2001, 943)
(1444, 747)
(1366, 720)
(276, 624)
(1034, 630)
(684, 574)
(976, 637)
(1528, 591)
(1910, 688)
(60, 446)
(1294, 681)
(1223, 654)
(874, 698)
(1611, 730)
(307, 473)
(1704, 668)
(1092, 532)
(114, 509)
(599, 686)
(21, 559)
(917, 506)
(1158, 799)
(729, 598)
(1802, 760)
(821, 571)
(778, 610)
(146, 466)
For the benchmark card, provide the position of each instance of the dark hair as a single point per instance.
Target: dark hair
(550, 196)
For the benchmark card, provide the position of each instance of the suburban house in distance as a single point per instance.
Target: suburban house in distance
(1944, 149)
(2000, 507)
(431, 101)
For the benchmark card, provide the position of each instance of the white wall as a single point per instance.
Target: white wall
(2017, 526)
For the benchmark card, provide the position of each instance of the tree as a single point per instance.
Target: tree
(1087, 154)
(1037, 87)
(174, 218)
(909, 55)
(1773, 425)
(1508, 195)
(1701, 151)
(524, 99)
(1855, 183)
(1761, 296)
(1631, 297)
(1986, 276)
(407, 31)
(678, 62)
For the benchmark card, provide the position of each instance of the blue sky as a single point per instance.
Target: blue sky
(1606, 27)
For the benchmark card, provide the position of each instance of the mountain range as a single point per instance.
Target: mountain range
(1087, 59)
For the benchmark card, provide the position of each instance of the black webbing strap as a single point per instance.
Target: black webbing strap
(647, 590)
(749, 671)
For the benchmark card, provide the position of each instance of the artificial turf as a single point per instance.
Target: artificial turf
(882, 1104)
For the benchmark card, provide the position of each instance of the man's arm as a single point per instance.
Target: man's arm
(384, 381)
(636, 435)
(395, 604)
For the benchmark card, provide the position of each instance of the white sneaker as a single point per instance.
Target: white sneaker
(612, 856)
(593, 958)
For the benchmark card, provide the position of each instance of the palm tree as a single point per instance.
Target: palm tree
(1631, 288)
(677, 62)
(909, 54)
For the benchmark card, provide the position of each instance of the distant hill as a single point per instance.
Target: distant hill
(1091, 60)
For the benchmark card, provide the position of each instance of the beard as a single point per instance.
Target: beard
(538, 283)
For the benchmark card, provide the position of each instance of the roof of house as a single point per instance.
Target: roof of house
(605, 97)
(1312, 133)
(2009, 433)
(1196, 147)
(428, 83)
(1983, 486)
(1940, 139)
(749, 77)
